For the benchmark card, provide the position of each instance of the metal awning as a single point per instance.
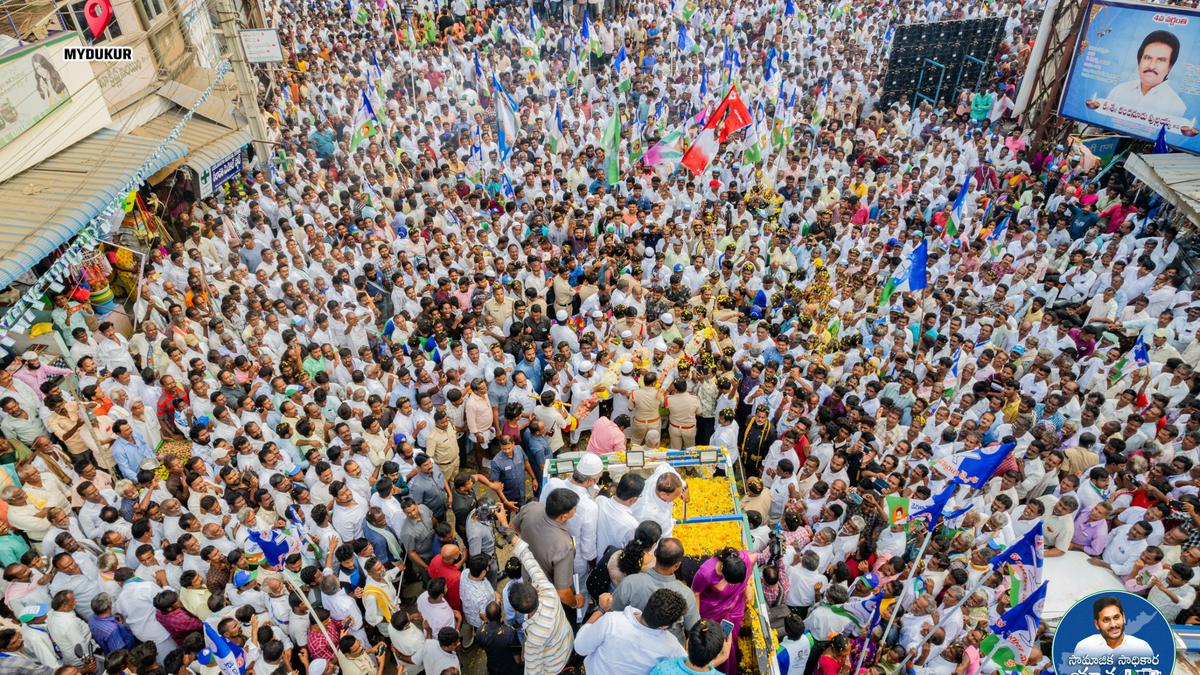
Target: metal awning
(1175, 176)
(208, 142)
(45, 205)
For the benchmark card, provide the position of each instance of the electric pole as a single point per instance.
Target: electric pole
(246, 84)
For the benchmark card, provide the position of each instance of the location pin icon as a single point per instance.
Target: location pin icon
(98, 14)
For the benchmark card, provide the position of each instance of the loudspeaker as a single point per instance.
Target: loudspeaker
(940, 58)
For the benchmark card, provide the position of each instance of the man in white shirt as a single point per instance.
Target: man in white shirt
(1109, 616)
(615, 521)
(631, 641)
(441, 653)
(663, 487)
(804, 582)
(1151, 92)
(583, 524)
(1173, 592)
(1124, 547)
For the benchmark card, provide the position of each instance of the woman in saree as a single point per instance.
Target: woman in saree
(722, 588)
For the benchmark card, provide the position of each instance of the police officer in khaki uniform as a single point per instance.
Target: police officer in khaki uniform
(682, 408)
(564, 295)
(644, 405)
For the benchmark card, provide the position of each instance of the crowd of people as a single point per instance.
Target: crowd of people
(324, 447)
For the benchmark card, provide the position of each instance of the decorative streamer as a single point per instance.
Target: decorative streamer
(22, 311)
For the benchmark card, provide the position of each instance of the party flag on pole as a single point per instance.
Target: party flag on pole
(1023, 561)
(954, 224)
(612, 147)
(1015, 633)
(365, 124)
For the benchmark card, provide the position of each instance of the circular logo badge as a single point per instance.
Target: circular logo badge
(1113, 633)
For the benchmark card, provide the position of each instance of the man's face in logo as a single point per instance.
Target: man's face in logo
(1154, 65)
(1111, 623)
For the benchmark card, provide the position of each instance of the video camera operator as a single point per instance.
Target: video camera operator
(464, 500)
(484, 522)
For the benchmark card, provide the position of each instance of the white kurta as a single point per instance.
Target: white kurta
(136, 605)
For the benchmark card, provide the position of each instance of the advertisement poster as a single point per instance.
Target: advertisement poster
(1117, 633)
(1136, 69)
(218, 174)
(31, 87)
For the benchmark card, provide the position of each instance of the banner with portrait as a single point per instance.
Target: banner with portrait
(1136, 69)
(31, 87)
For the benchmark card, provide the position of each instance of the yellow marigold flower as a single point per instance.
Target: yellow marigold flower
(708, 497)
(705, 539)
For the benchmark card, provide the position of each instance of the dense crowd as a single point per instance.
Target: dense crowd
(324, 447)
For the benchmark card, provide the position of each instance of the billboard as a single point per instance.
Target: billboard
(31, 87)
(1136, 68)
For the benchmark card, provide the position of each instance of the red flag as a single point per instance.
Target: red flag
(730, 116)
(701, 152)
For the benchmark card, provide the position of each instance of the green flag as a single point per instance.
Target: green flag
(752, 154)
(612, 147)
(1003, 654)
(1118, 370)
(897, 509)
(573, 69)
(885, 294)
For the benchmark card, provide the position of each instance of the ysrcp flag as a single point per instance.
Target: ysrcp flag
(1024, 563)
(1014, 634)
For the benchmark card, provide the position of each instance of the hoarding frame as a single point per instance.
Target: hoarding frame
(1084, 26)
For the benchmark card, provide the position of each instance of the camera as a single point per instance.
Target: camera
(775, 548)
(488, 511)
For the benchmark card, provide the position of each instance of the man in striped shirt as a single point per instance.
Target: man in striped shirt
(548, 637)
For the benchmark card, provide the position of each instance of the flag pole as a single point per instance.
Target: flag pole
(912, 573)
(862, 655)
(966, 596)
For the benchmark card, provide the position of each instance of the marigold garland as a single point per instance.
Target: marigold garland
(707, 497)
(705, 539)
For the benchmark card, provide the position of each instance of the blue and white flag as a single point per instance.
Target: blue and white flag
(769, 68)
(506, 119)
(1141, 355)
(862, 612)
(933, 510)
(918, 271)
(1015, 633)
(1160, 142)
(229, 658)
(685, 43)
(535, 26)
(274, 545)
(375, 65)
(976, 467)
(506, 188)
(995, 240)
(1024, 562)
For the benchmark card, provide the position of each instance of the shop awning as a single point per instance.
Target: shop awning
(45, 205)
(1175, 176)
(209, 143)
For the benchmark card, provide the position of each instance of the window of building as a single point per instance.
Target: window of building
(151, 10)
(73, 18)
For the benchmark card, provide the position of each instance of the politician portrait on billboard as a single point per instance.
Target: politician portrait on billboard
(1136, 70)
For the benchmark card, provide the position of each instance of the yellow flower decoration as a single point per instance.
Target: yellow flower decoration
(705, 539)
(708, 497)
